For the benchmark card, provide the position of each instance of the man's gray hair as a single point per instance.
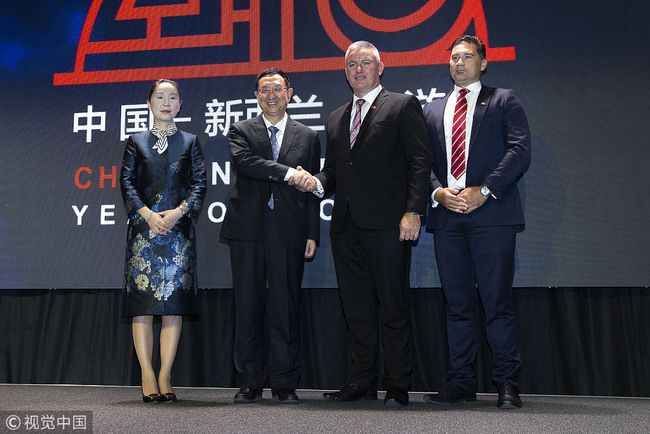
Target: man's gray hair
(363, 44)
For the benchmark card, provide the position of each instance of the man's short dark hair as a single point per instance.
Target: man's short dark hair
(470, 39)
(272, 71)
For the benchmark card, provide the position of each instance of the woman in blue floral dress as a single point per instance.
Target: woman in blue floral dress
(163, 183)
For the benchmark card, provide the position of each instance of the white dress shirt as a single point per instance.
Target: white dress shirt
(448, 118)
(369, 98)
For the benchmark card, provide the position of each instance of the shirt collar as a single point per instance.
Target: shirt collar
(369, 97)
(473, 88)
(280, 125)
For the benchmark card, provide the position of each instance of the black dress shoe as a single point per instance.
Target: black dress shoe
(286, 396)
(247, 395)
(171, 397)
(351, 392)
(396, 397)
(450, 394)
(508, 397)
(154, 398)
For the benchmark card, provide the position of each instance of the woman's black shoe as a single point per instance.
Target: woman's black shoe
(153, 398)
(171, 397)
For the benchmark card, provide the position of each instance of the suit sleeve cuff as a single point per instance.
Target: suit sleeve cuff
(289, 173)
(434, 203)
(319, 191)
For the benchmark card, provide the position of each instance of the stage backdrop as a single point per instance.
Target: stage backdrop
(74, 77)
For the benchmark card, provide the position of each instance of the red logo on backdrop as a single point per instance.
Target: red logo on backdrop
(152, 17)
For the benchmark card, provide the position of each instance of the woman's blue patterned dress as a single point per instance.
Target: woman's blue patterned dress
(160, 270)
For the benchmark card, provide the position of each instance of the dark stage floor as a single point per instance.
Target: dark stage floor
(211, 410)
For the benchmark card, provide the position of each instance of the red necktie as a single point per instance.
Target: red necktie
(458, 136)
(356, 122)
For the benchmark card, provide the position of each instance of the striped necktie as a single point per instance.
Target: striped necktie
(356, 122)
(458, 136)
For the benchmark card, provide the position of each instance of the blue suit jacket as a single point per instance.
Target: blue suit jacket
(499, 152)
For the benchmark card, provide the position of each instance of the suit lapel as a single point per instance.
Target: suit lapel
(482, 104)
(288, 138)
(376, 106)
(259, 127)
(344, 128)
(439, 117)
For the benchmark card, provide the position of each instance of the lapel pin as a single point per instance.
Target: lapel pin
(374, 107)
(482, 102)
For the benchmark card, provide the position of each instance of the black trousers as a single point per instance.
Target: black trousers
(257, 265)
(372, 268)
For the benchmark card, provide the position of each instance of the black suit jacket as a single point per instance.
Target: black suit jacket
(499, 152)
(258, 175)
(386, 173)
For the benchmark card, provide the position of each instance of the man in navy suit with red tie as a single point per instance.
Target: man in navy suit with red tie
(480, 146)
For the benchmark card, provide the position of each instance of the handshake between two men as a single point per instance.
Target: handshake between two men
(303, 180)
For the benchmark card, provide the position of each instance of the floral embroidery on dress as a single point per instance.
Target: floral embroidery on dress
(149, 271)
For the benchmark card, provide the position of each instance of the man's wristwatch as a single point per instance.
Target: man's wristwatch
(485, 191)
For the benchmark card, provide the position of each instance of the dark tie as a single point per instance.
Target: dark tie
(274, 142)
(275, 148)
(458, 136)
(356, 122)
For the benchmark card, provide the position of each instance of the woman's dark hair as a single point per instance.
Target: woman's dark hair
(163, 80)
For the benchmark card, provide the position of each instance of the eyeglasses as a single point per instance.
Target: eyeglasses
(278, 90)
